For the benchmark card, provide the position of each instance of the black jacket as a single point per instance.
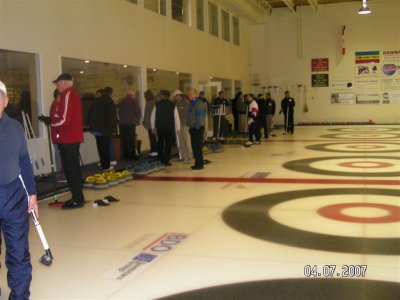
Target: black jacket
(262, 108)
(270, 106)
(103, 116)
(287, 105)
(165, 118)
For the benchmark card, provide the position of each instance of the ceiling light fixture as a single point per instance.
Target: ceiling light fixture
(87, 61)
(364, 10)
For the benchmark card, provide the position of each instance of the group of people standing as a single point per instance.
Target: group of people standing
(251, 114)
(173, 118)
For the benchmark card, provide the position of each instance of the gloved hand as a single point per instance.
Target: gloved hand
(44, 119)
(250, 121)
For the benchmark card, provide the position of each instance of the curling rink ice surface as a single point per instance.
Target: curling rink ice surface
(314, 215)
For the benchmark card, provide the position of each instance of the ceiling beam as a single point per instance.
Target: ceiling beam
(264, 5)
(313, 3)
(290, 5)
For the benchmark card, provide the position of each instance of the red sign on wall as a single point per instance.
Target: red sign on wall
(319, 64)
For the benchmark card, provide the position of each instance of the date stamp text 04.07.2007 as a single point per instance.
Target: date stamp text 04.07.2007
(335, 271)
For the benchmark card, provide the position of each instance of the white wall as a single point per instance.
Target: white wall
(276, 51)
(120, 32)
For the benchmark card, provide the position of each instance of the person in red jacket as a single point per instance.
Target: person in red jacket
(67, 133)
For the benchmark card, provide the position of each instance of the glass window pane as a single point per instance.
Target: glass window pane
(213, 19)
(180, 11)
(167, 80)
(92, 76)
(19, 74)
(225, 26)
(200, 14)
(236, 31)
(163, 7)
(238, 86)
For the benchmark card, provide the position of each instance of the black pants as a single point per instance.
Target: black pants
(196, 139)
(254, 130)
(219, 121)
(70, 160)
(128, 134)
(165, 138)
(153, 141)
(263, 124)
(14, 223)
(289, 122)
(103, 147)
(235, 122)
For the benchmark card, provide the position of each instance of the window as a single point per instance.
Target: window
(167, 80)
(236, 31)
(19, 73)
(238, 86)
(163, 7)
(226, 86)
(91, 76)
(225, 26)
(158, 6)
(213, 19)
(180, 11)
(200, 14)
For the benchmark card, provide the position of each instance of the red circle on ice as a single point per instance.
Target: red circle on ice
(334, 212)
(365, 164)
(365, 147)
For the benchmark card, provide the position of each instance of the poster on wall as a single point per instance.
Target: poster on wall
(391, 97)
(367, 63)
(368, 83)
(342, 84)
(390, 70)
(342, 98)
(367, 57)
(319, 64)
(391, 55)
(390, 84)
(368, 98)
(319, 80)
(367, 70)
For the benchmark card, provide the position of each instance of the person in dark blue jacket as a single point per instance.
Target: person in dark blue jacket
(17, 199)
(287, 107)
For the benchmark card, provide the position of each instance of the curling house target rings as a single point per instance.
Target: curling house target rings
(304, 166)
(250, 217)
(381, 147)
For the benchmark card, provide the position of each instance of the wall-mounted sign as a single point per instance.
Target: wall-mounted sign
(391, 55)
(367, 70)
(319, 80)
(363, 98)
(368, 83)
(391, 97)
(342, 84)
(319, 64)
(366, 57)
(342, 98)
